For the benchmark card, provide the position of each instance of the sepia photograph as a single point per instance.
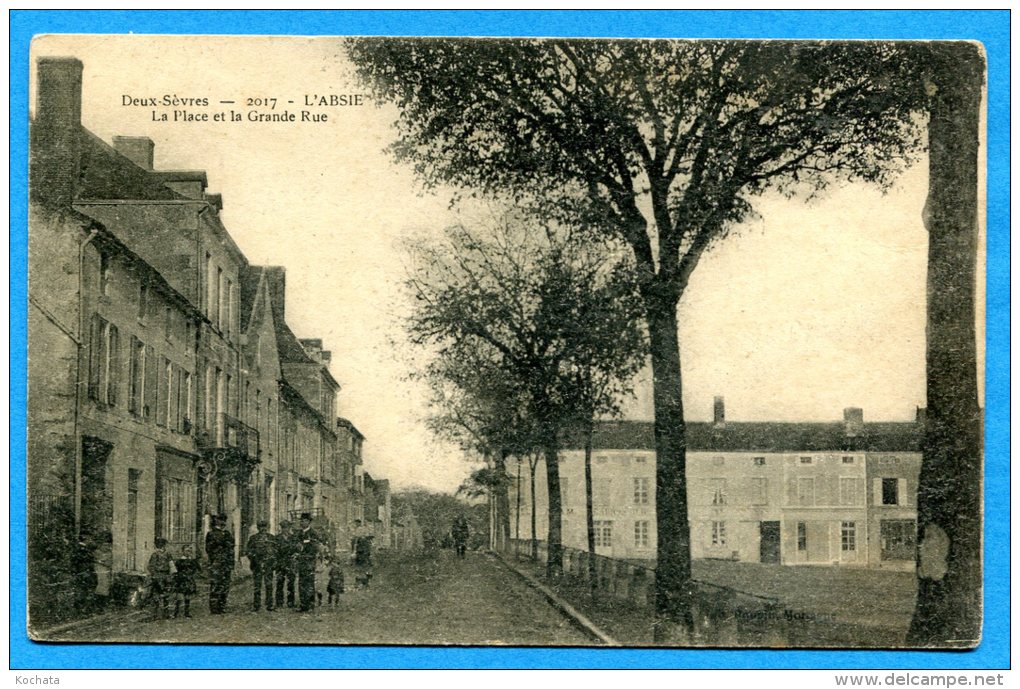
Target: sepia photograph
(488, 342)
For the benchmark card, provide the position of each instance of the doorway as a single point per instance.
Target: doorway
(769, 548)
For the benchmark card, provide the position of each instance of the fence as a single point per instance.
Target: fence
(723, 616)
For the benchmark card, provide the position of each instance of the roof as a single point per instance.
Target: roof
(344, 423)
(248, 286)
(107, 175)
(771, 436)
(291, 351)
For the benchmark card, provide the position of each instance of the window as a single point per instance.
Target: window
(164, 410)
(136, 377)
(640, 460)
(848, 536)
(210, 393)
(759, 461)
(220, 303)
(186, 399)
(176, 500)
(104, 273)
(801, 536)
(719, 534)
(806, 491)
(603, 534)
(898, 539)
(208, 285)
(718, 488)
(759, 491)
(228, 306)
(848, 491)
(848, 459)
(641, 490)
(641, 534)
(104, 361)
(143, 299)
(168, 322)
(890, 492)
(130, 560)
(805, 460)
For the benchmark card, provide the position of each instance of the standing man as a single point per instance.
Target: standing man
(262, 555)
(460, 532)
(307, 542)
(285, 572)
(219, 547)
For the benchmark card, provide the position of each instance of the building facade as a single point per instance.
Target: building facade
(165, 385)
(782, 493)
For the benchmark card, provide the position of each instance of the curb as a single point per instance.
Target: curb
(48, 632)
(576, 617)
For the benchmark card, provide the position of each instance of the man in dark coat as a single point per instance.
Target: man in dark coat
(262, 554)
(286, 549)
(219, 547)
(308, 544)
(460, 532)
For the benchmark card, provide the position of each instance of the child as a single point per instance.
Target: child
(321, 578)
(185, 585)
(160, 571)
(336, 583)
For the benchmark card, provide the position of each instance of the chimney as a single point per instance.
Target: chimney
(276, 278)
(137, 149)
(853, 421)
(215, 200)
(56, 133)
(326, 356)
(719, 413)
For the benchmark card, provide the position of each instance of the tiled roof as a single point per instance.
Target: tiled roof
(759, 436)
(107, 175)
(248, 287)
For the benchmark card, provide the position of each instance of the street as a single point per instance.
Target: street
(413, 599)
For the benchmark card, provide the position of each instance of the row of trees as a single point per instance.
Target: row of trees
(535, 333)
(663, 146)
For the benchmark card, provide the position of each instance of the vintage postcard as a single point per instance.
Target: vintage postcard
(505, 342)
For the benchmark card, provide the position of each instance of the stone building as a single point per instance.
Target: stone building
(165, 385)
(785, 493)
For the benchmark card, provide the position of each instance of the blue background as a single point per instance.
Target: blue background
(989, 27)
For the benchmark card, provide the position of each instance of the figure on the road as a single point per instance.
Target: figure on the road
(262, 555)
(286, 572)
(219, 547)
(336, 582)
(307, 555)
(185, 584)
(321, 579)
(160, 579)
(361, 544)
(460, 532)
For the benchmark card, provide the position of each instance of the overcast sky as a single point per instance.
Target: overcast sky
(808, 308)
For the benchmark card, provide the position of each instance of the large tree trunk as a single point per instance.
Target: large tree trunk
(532, 465)
(674, 620)
(517, 519)
(588, 511)
(502, 504)
(949, 516)
(554, 541)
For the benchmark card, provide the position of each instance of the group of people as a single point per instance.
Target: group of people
(294, 560)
